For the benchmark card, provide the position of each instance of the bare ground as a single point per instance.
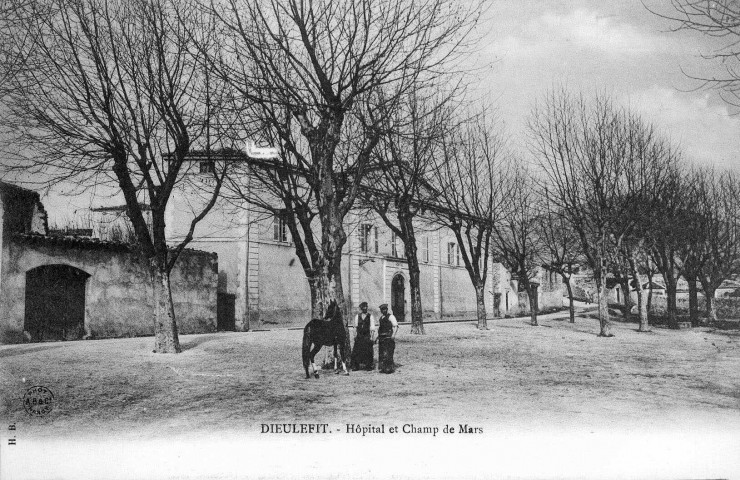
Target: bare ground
(554, 401)
(512, 376)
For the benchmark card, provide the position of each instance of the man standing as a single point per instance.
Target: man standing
(362, 352)
(387, 328)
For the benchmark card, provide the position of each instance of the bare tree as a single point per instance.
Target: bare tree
(695, 246)
(517, 240)
(600, 163)
(318, 69)
(398, 184)
(647, 162)
(576, 144)
(722, 248)
(719, 19)
(634, 251)
(470, 180)
(670, 234)
(619, 269)
(647, 267)
(118, 95)
(560, 247)
(14, 40)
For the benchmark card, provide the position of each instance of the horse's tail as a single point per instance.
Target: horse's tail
(306, 347)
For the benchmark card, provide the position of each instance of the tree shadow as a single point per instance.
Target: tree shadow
(196, 342)
(13, 352)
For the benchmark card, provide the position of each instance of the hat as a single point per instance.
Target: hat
(385, 305)
(363, 304)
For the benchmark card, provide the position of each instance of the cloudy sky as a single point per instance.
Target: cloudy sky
(617, 47)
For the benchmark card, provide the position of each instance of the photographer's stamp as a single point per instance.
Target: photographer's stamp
(38, 401)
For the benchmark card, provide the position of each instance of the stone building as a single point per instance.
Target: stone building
(71, 287)
(262, 282)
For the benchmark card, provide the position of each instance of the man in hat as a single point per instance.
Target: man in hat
(362, 352)
(387, 328)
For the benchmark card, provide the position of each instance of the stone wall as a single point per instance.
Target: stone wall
(118, 296)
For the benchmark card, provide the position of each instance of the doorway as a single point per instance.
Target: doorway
(225, 312)
(55, 303)
(398, 297)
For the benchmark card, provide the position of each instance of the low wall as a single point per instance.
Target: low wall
(118, 294)
(546, 300)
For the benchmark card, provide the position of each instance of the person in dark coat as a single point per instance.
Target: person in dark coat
(362, 352)
(387, 328)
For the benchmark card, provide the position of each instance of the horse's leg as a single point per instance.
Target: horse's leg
(306, 349)
(341, 357)
(315, 350)
(327, 357)
(336, 366)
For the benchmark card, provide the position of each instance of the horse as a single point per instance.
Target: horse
(321, 333)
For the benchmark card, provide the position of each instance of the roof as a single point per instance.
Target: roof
(10, 186)
(72, 241)
(730, 284)
(119, 208)
(653, 286)
(233, 155)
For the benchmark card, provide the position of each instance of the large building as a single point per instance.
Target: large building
(261, 279)
(240, 273)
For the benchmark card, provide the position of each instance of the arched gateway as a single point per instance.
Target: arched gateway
(55, 303)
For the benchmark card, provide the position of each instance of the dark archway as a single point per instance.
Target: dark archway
(55, 303)
(398, 297)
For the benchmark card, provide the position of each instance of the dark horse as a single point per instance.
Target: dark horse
(321, 333)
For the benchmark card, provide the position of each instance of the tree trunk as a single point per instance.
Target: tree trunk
(693, 302)
(339, 296)
(624, 284)
(533, 304)
(329, 273)
(709, 292)
(165, 328)
(671, 307)
(417, 317)
(417, 313)
(650, 296)
(317, 307)
(601, 293)
(571, 306)
(480, 300)
(641, 309)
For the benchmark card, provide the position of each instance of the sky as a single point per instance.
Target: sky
(619, 48)
(616, 47)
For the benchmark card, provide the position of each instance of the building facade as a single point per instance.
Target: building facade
(261, 278)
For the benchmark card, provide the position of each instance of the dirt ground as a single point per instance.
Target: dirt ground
(558, 377)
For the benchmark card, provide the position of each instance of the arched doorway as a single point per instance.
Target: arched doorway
(55, 303)
(398, 297)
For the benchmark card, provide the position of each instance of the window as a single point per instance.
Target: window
(279, 230)
(425, 249)
(451, 253)
(207, 166)
(397, 248)
(368, 238)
